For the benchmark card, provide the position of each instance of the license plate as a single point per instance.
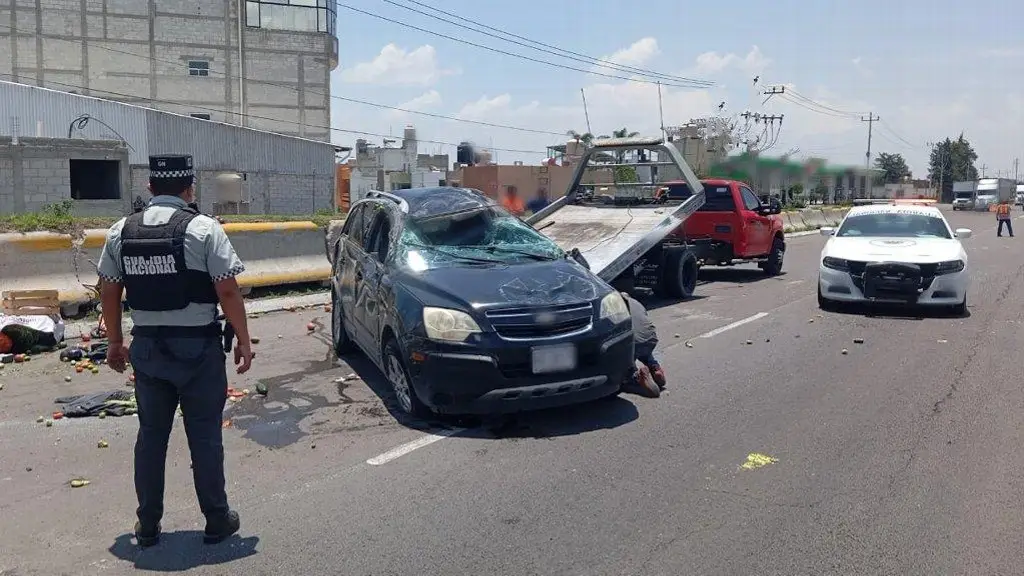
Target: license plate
(548, 359)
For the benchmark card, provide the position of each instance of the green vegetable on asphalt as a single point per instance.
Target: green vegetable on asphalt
(261, 388)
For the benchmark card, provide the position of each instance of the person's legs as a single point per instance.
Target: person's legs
(156, 399)
(1009, 227)
(999, 231)
(202, 406)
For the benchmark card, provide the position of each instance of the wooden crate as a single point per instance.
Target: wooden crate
(31, 303)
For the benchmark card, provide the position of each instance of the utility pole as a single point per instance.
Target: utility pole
(586, 113)
(1016, 166)
(871, 119)
(661, 114)
(984, 167)
(772, 92)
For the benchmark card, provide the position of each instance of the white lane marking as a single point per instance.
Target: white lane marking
(399, 451)
(735, 324)
(795, 282)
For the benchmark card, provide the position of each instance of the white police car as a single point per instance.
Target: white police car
(894, 253)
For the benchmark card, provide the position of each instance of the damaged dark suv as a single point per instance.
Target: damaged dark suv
(468, 310)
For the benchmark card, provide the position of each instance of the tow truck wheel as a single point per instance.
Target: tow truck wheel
(773, 265)
(339, 335)
(680, 277)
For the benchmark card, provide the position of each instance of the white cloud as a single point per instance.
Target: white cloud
(636, 54)
(862, 69)
(422, 103)
(395, 66)
(714, 63)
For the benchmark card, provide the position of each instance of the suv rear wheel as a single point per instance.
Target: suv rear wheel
(339, 335)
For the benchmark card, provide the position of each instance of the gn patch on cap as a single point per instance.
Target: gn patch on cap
(171, 166)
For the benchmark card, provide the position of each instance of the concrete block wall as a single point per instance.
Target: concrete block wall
(138, 51)
(45, 181)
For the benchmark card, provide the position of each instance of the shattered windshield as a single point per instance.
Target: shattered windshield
(894, 225)
(484, 235)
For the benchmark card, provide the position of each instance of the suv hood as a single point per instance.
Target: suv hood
(505, 285)
(910, 250)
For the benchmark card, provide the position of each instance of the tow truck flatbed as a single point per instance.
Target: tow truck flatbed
(615, 234)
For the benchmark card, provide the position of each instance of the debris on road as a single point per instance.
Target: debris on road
(102, 444)
(48, 423)
(750, 342)
(311, 327)
(756, 460)
(254, 340)
(677, 336)
(858, 340)
(58, 415)
(261, 389)
(688, 344)
(79, 482)
(845, 351)
(40, 420)
(226, 423)
(810, 320)
(943, 341)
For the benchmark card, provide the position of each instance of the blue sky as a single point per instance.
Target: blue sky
(928, 71)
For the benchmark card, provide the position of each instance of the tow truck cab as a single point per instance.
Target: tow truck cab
(733, 226)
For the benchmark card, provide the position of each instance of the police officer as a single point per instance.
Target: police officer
(175, 265)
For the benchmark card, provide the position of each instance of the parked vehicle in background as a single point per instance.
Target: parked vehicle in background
(895, 254)
(733, 226)
(1020, 195)
(468, 310)
(963, 201)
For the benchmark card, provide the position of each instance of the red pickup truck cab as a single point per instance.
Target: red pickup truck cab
(733, 226)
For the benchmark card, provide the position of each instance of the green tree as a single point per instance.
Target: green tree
(952, 161)
(586, 138)
(893, 166)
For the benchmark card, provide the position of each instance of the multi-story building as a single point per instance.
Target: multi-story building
(263, 64)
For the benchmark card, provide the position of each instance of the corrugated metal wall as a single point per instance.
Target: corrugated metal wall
(215, 146)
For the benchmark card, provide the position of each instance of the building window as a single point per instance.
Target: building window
(292, 15)
(95, 179)
(198, 67)
(200, 116)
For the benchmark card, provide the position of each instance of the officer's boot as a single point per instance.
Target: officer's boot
(220, 529)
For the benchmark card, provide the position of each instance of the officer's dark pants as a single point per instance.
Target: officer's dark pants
(169, 371)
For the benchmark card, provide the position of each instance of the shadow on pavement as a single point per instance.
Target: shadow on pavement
(734, 275)
(897, 312)
(182, 550)
(548, 424)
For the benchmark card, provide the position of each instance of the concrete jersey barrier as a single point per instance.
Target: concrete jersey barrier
(274, 253)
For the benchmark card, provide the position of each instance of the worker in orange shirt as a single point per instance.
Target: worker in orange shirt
(512, 202)
(1003, 217)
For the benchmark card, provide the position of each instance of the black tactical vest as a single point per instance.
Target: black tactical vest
(153, 260)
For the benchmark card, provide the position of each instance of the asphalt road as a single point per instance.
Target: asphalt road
(899, 457)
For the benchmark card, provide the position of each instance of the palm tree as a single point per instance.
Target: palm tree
(623, 133)
(585, 138)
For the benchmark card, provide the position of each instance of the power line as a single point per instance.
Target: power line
(208, 109)
(688, 84)
(885, 126)
(544, 48)
(801, 97)
(336, 97)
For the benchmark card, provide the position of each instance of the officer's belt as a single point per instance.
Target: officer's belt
(208, 330)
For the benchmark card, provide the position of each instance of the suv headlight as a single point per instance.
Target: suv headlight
(835, 263)
(448, 325)
(614, 308)
(950, 267)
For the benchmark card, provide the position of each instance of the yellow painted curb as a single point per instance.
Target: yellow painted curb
(283, 278)
(269, 226)
(50, 242)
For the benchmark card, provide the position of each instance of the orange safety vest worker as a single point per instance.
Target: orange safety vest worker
(1003, 211)
(513, 204)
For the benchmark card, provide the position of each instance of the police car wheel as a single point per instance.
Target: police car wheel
(339, 335)
(401, 384)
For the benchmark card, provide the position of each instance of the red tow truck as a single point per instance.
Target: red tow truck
(733, 226)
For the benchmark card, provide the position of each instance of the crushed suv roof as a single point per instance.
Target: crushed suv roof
(434, 201)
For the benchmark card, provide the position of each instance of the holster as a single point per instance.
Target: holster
(228, 334)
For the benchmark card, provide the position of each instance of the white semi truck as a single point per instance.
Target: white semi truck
(992, 191)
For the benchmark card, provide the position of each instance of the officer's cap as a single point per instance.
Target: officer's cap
(171, 166)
